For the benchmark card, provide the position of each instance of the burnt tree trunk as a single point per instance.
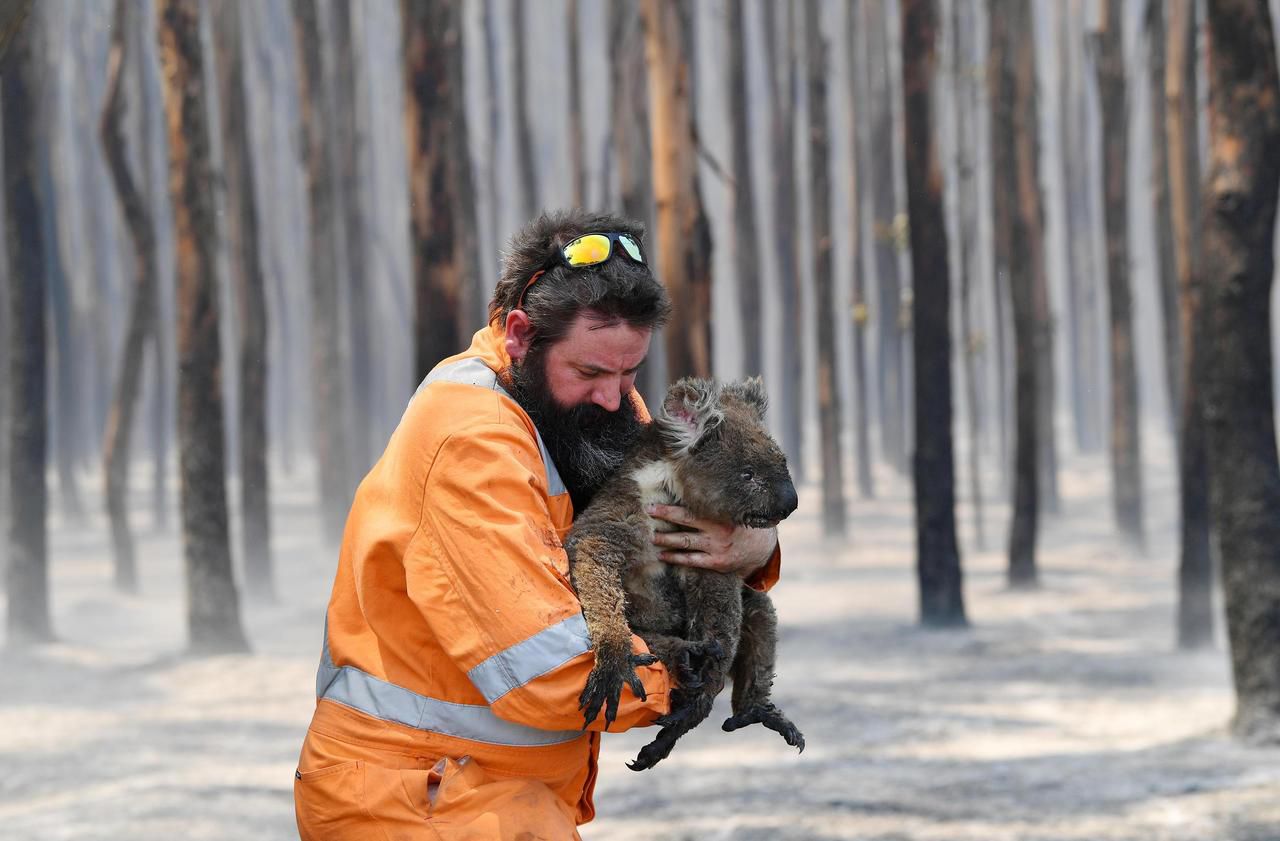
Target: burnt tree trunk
(1195, 569)
(857, 101)
(142, 311)
(780, 63)
(577, 149)
(891, 378)
(1166, 271)
(433, 98)
(1013, 155)
(833, 505)
(328, 383)
(684, 232)
(251, 304)
(13, 15)
(933, 463)
(526, 159)
(1126, 444)
(213, 610)
(1239, 233)
(964, 57)
(28, 620)
(746, 249)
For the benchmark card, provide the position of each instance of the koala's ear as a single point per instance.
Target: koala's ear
(751, 392)
(690, 410)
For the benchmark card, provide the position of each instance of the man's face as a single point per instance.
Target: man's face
(576, 391)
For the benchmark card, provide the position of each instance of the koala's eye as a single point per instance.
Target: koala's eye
(746, 475)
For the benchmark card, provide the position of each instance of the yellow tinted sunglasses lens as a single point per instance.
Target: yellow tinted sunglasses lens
(588, 250)
(631, 247)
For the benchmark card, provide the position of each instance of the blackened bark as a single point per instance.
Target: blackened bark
(433, 30)
(1166, 271)
(1195, 569)
(577, 150)
(833, 505)
(780, 63)
(746, 250)
(13, 15)
(213, 610)
(1126, 444)
(933, 464)
(1012, 108)
(142, 319)
(250, 296)
(28, 620)
(684, 233)
(526, 159)
(1239, 233)
(328, 382)
(857, 101)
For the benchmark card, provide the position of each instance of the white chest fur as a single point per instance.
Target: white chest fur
(658, 485)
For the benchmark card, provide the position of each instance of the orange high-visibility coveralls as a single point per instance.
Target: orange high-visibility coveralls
(455, 649)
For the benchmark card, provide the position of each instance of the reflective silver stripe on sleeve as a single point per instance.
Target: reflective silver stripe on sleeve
(370, 695)
(472, 371)
(517, 665)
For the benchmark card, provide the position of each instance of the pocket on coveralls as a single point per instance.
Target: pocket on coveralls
(467, 805)
(330, 802)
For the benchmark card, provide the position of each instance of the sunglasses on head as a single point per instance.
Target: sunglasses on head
(590, 250)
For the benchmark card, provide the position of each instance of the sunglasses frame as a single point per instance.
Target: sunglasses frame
(563, 258)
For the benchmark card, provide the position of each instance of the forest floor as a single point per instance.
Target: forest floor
(1064, 713)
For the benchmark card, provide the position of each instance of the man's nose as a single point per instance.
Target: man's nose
(608, 396)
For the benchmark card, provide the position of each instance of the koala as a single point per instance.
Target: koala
(709, 451)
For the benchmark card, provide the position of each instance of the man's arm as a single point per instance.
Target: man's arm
(488, 574)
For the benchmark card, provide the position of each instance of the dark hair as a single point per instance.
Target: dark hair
(618, 289)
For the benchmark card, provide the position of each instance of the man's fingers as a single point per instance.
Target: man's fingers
(693, 559)
(674, 514)
(685, 540)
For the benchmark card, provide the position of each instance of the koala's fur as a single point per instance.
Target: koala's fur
(707, 450)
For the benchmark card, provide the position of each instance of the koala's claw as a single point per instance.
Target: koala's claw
(604, 686)
(657, 750)
(771, 717)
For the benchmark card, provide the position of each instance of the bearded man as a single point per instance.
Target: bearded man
(455, 650)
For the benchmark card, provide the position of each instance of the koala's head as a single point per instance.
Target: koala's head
(729, 468)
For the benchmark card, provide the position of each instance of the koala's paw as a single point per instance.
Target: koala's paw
(694, 661)
(604, 685)
(771, 717)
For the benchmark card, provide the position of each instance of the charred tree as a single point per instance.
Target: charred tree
(433, 99)
(891, 375)
(577, 149)
(249, 284)
(964, 57)
(833, 505)
(1239, 239)
(1126, 444)
(1195, 569)
(684, 232)
(1166, 271)
(28, 619)
(857, 100)
(779, 28)
(746, 249)
(328, 381)
(933, 464)
(142, 310)
(13, 14)
(1013, 156)
(213, 609)
(526, 158)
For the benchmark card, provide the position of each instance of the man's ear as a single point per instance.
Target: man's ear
(751, 392)
(691, 410)
(519, 334)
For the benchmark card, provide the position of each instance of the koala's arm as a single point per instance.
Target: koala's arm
(492, 583)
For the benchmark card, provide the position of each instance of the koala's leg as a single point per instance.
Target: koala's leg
(753, 670)
(597, 560)
(715, 615)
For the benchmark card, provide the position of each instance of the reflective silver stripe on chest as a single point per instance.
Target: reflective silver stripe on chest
(370, 695)
(471, 371)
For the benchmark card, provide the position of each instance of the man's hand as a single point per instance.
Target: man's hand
(710, 545)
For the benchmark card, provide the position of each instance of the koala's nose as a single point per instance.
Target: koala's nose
(785, 493)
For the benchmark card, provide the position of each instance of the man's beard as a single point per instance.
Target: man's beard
(586, 442)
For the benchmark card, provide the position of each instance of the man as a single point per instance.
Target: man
(455, 649)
